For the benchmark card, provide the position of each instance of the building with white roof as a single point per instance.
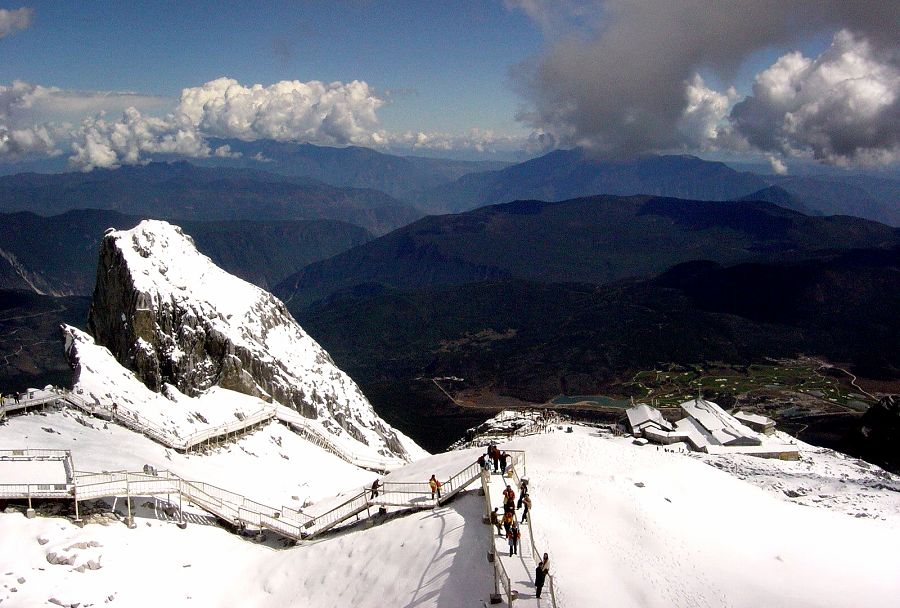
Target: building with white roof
(758, 423)
(707, 428)
(642, 416)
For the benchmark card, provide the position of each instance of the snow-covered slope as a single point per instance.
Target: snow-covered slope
(185, 326)
(273, 465)
(625, 526)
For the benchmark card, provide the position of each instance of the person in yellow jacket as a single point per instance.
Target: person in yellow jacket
(435, 487)
(509, 519)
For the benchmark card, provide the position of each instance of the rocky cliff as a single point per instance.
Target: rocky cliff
(169, 314)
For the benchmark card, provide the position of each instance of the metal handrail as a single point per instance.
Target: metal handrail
(501, 577)
(31, 453)
(536, 555)
(316, 436)
(334, 516)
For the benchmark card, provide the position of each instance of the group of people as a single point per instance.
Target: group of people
(14, 396)
(508, 526)
(494, 456)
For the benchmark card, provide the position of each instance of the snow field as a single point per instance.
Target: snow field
(633, 526)
(150, 566)
(429, 559)
(625, 526)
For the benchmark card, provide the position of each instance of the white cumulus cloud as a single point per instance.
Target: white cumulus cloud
(315, 112)
(22, 138)
(703, 120)
(842, 107)
(310, 112)
(15, 20)
(102, 143)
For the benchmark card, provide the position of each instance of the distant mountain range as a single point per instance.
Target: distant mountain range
(594, 240)
(184, 191)
(565, 174)
(58, 254)
(399, 176)
(280, 180)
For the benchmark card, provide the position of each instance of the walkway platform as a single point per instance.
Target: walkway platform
(520, 568)
(27, 474)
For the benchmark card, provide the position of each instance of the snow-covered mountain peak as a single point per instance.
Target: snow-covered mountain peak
(167, 312)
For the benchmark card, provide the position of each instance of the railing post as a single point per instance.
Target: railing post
(29, 513)
(129, 521)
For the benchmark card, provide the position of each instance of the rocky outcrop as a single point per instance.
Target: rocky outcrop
(876, 438)
(169, 314)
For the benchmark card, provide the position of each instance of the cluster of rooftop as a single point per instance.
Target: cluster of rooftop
(708, 428)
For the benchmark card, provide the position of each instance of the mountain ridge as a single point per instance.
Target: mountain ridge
(593, 239)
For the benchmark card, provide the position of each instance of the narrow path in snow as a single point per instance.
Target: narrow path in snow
(519, 567)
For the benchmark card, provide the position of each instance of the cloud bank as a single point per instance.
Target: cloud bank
(621, 77)
(312, 112)
(125, 128)
(15, 20)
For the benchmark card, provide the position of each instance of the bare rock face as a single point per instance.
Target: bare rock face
(169, 314)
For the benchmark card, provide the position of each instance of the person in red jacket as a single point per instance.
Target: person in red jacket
(435, 487)
(495, 457)
(509, 498)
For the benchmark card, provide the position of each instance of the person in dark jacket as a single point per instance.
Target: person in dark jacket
(526, 502)
(497, 521)
(482, 462)
(523, 490)
(375, 485)
(504, 459)
(513, 537)
(540, 574)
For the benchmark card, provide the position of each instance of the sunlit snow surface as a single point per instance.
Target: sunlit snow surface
(624, 525)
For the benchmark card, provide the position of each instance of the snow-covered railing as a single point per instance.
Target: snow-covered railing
(459, 481)
(133, 420)
(331, 518)
(9, 405)
(262, 415)
(34, 454)
(302, 426)
(230, 506)
(34, 490)
(37, 490)
(400, 493)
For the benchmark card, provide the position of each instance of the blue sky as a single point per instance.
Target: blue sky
(518, 76)
(444, 65)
